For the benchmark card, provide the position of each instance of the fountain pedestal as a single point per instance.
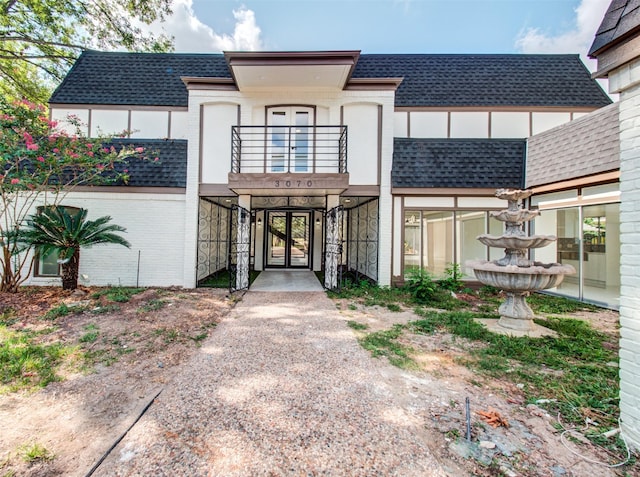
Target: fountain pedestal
(514, 273)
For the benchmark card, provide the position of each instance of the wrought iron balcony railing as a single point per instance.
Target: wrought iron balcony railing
(289, 149)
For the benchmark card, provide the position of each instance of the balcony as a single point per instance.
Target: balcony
(296, 160)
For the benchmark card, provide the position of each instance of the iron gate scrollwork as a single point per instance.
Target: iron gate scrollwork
(239, 250)
(333, 248)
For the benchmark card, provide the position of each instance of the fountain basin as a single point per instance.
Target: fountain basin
(520, 279)
(516, 242)
(517, 216)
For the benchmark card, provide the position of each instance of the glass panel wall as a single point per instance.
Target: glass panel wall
(433, 240)
(588, 240)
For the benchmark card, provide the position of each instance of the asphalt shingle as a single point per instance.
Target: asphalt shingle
(465, 163)
(169, 171)
(429, 80)
(620, 22)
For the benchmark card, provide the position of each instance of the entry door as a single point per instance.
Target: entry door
(289, 139)
(288, 239)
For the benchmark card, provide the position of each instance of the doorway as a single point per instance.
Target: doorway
(290, 138)
(288, 239)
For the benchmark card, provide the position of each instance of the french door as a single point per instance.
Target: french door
(290, 138)
(288, 239)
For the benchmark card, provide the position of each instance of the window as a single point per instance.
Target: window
(435, 239)
(48, 266)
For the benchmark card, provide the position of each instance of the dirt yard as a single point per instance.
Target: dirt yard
(127, 350)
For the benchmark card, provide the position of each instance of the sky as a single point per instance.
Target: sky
(387, 26)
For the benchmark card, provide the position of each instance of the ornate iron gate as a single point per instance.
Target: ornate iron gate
(240, 241)
(333, 248)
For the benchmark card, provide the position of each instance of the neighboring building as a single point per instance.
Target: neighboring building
(617, 49)
(371, 164)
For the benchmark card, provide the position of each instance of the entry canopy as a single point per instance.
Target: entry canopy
(317, 70)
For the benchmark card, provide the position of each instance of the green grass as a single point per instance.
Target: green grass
(105, 309)
(572, 368)
(356, 326)
(221, 279)
(25, 364)
(152, 305)
(35, 452)
(117, 294)
(91, 334)
(57, 312)
(384, 343)
(556, 305)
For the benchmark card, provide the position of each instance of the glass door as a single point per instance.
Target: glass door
(289, 139)
(288, 239)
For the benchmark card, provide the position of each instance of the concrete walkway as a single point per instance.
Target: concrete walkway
(280, 388)
(286, 281)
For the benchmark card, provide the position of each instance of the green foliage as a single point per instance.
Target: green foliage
(572, 369)
(25, 363)
(426, 291)
(543, 303)
(56, 312)
(117, 294)
(356, 326)
(35, 452)
(152, 305)
(453, 281)
(421, 285)
(55, 230)
(91, 334)
(384, 343)
(40, 164)
(40, 39)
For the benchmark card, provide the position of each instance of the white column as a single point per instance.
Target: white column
(627, 81)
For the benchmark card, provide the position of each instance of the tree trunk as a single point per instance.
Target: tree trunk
(9, 280)
(70, 271)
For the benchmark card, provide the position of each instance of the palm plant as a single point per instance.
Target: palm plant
(55, 230)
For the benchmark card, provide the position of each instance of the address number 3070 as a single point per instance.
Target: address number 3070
(294, 183)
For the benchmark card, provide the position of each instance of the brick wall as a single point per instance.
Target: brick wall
(154, 224)
(630, 250)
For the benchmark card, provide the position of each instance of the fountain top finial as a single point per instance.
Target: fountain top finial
(513, 194)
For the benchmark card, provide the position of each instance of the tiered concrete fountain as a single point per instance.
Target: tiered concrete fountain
(514, 273)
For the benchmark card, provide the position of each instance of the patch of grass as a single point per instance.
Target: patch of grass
(26, 364)
(169, 335)
(117, 294)
(58, 311)
(384, 343)
(394, 307)
(221, 279)
(8, 316)
(152, 305)
(91, 334)
(98, 310)
(556, 305)
(199, 338)
(356, 326)
(352, 306)
(572, 369)
(35, 452)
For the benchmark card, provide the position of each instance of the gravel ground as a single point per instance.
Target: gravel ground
(281, 388)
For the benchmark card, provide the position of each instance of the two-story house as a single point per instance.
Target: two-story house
(334, 161)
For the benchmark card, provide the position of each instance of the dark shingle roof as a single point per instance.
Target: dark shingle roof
(429, 80)
(169, 171)
(486, 80)
(621, 21)
(135, 78)
(468, 163)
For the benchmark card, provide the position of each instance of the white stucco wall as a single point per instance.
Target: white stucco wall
(154, 224)
(626, 80)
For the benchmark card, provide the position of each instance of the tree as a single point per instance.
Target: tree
(40, 39)
(55, 230)
(39, 166)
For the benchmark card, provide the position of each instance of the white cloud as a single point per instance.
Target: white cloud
(589, 15)
(193, 36)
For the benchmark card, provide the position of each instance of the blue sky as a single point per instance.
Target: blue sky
(387, 26)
